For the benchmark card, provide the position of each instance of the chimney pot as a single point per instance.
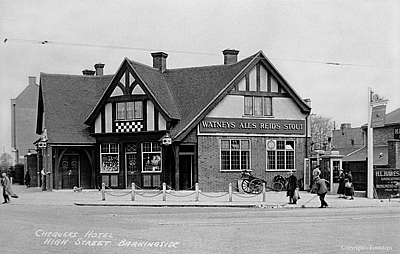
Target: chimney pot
(99, 69)
(160, 61)
(87, 72)
(32, 80)
(230, 56)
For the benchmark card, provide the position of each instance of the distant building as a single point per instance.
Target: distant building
(352, 143)
(23, 121)
(150, 124)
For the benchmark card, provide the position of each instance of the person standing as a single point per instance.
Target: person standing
(341, 188)
(291, 188)
(348, 186)
(27, 179)
(321, 190)
(7, 190)
(44, 175)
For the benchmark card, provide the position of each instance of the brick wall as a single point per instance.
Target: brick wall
(382, 135)
(212, 179)
(394, 153)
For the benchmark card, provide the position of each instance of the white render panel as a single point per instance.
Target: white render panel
(150, 116)
(253, 79)
(131, 79)
(230, 106)
(286, 108)
(263, 79)
(162, 124)
(97, 124)
(117, 92)
(108, 117)
(138, 90)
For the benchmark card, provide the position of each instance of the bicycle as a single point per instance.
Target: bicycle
(254, 185)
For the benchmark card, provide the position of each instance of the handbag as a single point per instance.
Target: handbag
(347, 185)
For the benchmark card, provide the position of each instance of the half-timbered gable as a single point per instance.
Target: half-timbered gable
(129, 104)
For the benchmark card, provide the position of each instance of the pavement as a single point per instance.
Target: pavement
(155, 198)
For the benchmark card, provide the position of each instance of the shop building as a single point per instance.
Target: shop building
(352, 144)
(150, 124)
(23, 118)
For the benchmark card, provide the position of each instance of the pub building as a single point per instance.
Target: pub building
(150, 124)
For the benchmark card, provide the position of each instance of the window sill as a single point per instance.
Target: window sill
(251, 116)
(280, 170)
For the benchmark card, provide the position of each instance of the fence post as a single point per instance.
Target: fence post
(103, 191)
(197, 192)
(230, 192)
(133, 192)
(164, 190)
(263, 193)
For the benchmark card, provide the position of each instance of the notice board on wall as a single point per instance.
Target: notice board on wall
(386, 182)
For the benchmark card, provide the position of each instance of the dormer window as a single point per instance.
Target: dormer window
(129, 110)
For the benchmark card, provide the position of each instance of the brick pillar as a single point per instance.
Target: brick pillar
(394, 153)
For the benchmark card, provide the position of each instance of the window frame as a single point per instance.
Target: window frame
(283, 158)
(251, 110)
(244, 155)
(132, 113)
(110, 150)
(154, 146)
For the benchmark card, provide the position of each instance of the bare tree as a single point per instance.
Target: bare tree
(5, 161)
(321, 132)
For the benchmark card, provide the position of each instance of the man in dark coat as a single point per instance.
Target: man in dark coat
(27, 179)
(291, 188)
(321, 190)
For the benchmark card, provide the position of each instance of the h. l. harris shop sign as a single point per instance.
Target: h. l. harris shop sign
(258, 126)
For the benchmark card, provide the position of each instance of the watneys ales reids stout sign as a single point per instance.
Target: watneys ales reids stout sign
(258, 126)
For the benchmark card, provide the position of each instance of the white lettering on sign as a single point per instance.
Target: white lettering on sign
(218, 125)
(96, 239)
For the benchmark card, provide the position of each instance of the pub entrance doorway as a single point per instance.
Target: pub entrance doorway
(70, 171)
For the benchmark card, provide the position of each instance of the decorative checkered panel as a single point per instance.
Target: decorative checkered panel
(129, 126)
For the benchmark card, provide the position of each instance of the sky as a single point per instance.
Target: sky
(329, 51)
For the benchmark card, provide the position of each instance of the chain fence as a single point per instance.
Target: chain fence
(166, 190)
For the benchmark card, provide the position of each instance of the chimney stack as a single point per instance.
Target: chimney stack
(99, 69)
(32, 80)
(87, 72)
(230, 56)
(160, 61)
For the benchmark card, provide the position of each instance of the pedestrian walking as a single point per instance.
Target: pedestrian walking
(321, 189)
(291, 188)
(316, 172)
(27, 179)
(7, 190)
(341, 188)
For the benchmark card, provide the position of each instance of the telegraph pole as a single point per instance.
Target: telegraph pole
(370, 156)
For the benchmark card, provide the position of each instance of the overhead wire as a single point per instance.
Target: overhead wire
(74, 44)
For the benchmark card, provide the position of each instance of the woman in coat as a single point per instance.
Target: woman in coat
(291, 188)
(341, 188)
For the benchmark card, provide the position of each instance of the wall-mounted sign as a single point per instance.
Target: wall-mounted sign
(397, 133)
(253, 126)
(385, 181)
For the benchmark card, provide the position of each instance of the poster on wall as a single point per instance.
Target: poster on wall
(386, 182)
(109, 163)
